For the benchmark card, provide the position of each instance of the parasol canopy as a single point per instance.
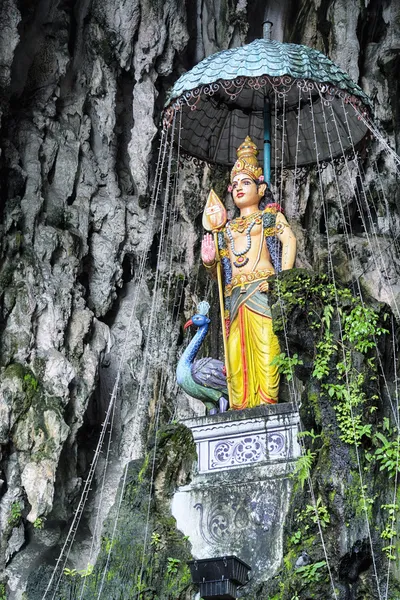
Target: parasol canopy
(315, 107)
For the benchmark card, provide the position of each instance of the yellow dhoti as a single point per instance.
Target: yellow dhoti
(252, 345)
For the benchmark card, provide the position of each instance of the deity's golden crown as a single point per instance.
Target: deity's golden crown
(247, 160)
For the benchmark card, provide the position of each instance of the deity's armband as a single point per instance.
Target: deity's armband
(280, 227)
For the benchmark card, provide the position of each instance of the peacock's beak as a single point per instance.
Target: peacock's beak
(188, 324)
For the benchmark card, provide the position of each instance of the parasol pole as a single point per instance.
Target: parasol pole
(267, 141)
(267, 26)
(222, 311)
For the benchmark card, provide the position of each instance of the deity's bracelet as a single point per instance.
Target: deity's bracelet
(212, 266)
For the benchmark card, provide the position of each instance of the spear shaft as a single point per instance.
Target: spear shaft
(222, 311)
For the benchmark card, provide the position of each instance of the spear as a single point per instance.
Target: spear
(214, 218)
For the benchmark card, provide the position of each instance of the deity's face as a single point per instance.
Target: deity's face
(244, 191)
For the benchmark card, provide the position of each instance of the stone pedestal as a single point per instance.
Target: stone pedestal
(239, 495)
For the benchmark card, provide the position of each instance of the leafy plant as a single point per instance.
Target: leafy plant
(86, 572)
(31, 382)
(349, 399)
(155, 539)
(325, 350)
(286, 364)
(172, 565)
(296, 537)
(303, 466)
(311, 434)
(140, 586)
(390, 529)
(360, 328)
(316, 513)
(388, 455)
(107, 544)
(15, 514)
(312, 572)
(39, 522)
(70, 572)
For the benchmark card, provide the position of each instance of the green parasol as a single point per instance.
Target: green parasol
(315, 109)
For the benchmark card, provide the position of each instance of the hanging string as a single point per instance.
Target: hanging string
(382, 194)
(166, 348)
(294, 399)
(375, 131)
(276, 140)
(167, 368)
(394, 411)
(143, 377)
(65, 551)
(295, 174)
(394, 502)
(346, 370)
(283, 148)
(396, 417)
(382, 261)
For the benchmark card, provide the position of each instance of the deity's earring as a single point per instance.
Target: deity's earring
(260, 193)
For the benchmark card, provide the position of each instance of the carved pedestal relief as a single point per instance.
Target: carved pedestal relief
(238, 498)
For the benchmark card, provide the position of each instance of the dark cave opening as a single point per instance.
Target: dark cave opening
(371, 29)
(123, 126)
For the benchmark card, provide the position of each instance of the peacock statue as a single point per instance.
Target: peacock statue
(205, 378)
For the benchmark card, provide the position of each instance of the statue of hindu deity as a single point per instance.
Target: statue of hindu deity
(251, 247)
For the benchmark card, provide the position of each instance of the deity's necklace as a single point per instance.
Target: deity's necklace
(242, 225)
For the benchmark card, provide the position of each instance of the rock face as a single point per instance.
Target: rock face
(82, 305)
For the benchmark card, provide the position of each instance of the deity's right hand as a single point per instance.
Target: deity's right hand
(208, 252)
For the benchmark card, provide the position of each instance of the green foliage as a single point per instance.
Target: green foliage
(286, 364)
(107, 544)
(312, 572)
(387, 455)
(86, 572)
(390, 530)
(316, 513)
(3, 595)
(360, 328)
(31, 382)
(303, 466)
(296, 537)
(325, 306)
(15, 514)
(311, 434)
(309, 517)
(349, 398)
(343, 382)
(146, 539)
(144, 468)
(140, 586)
(325, 350)
(155, 539)
(345, 377)
(70, 572)
(39, 522)
(172, 565)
